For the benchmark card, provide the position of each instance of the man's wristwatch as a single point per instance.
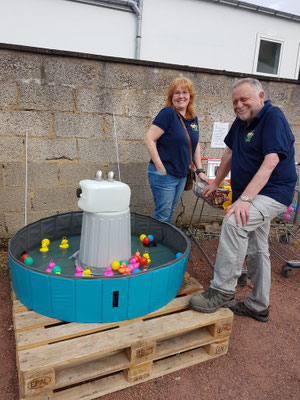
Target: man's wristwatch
(244, 197)
(199, 170)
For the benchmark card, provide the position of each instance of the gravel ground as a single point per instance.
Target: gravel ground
(262, 361)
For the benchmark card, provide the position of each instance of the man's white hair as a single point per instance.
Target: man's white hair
(253, 82)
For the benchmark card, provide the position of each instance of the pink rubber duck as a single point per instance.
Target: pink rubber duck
(108, 272)
(131, 266)
(78, 271)
(50, 266)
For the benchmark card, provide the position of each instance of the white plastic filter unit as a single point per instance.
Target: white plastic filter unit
(105, 231)
(102, 196)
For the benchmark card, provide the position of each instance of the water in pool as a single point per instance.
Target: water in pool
(159, 255)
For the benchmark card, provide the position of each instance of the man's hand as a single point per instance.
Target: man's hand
(241, 210)
(209, 189)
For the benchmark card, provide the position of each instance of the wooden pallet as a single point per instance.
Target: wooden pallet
(69, 361)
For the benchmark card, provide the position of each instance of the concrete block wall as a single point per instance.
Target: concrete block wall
(74, 106)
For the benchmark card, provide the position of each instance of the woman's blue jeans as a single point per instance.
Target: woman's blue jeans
(166, 190)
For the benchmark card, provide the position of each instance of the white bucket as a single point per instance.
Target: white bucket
(105, 237)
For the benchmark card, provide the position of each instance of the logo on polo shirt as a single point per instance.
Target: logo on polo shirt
(194, 127)
(249, 136)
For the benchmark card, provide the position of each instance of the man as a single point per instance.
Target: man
(260, 155)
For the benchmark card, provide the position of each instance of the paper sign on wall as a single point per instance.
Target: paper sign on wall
(220, 130)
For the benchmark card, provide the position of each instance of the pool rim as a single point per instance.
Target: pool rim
(95, 277)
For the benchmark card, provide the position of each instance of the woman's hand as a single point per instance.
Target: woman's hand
(203, 177)
(161, 170)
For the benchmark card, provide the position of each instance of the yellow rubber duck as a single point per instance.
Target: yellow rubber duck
(45, 242)
(87, 272)
(64, 246)
(64, 243)
(44, 248)
(146, 255)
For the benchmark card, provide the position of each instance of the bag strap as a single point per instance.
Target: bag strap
(188, 138)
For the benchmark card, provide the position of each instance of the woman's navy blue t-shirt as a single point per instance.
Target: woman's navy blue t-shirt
(172, 146)
(268, 133)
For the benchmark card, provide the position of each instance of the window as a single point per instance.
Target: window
(268, 56)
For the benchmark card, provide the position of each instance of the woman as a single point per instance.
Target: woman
(168, 146)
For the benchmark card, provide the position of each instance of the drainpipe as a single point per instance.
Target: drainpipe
(138, 11)
(137, 8)
(139, 30)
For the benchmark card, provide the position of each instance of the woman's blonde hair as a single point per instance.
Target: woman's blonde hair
(184, 83)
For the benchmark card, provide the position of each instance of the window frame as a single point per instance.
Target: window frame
(272, 39)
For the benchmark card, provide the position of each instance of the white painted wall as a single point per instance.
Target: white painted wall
(187, 32)
(212, 35)
(65, 25)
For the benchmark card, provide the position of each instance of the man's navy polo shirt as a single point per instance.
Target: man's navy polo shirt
(269, 132)
(172, 146)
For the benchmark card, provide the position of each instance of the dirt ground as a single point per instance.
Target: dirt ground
(262, 362)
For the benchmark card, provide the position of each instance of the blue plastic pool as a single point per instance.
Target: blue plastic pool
(96, 299)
